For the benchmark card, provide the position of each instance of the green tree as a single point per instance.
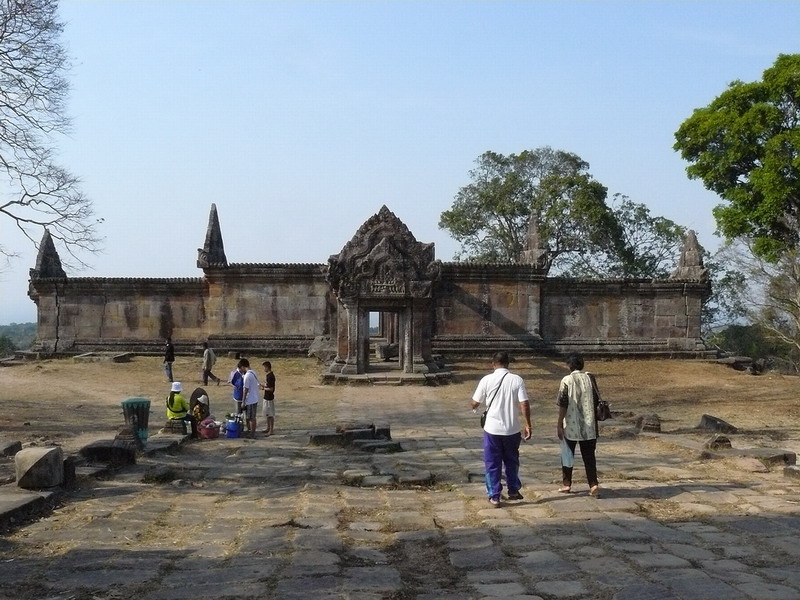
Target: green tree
(745, 146)
(38, 193)
(6, 346)
(650, 247)
(490, 215)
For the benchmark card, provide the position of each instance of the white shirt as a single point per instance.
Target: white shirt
(503, 416)
(250, 388)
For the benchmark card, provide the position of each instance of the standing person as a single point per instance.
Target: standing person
(169, 358)
(178, 407)
(506, 401)
(577, 423)
(209, 358)
(269, 397)
(237, 381)
(250, 386)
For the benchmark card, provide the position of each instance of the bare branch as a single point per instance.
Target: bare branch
(39, 193)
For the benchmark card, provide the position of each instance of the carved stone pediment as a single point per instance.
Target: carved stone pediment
(383, 260)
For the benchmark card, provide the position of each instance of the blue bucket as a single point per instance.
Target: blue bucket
(232, 428)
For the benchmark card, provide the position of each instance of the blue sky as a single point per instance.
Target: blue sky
(301, 119)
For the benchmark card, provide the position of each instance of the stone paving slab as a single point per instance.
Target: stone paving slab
(16, 504)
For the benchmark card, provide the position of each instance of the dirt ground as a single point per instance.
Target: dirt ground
(71, 403)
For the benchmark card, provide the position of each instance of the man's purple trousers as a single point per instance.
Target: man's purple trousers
(501, 451)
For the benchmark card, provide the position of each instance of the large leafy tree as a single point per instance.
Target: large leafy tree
(490, 215)
(35, 192)
(745, 146)
(650, 246)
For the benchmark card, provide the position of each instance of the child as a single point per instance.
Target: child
(268, 386)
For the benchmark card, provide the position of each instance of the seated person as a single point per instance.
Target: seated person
(178, 407)
(201, 410)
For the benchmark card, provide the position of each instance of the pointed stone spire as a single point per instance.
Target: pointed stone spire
(534, 253)
(212, 254)
(690, 264)
(48, 263)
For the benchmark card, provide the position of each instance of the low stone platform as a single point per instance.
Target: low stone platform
(388, 378)
(120, 357)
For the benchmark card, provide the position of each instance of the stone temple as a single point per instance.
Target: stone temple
(426, 310)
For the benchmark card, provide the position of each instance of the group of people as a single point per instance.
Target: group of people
(508, 421)
(507, 415)
(246, 388)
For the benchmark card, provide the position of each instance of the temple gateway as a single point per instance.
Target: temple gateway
(384, 290)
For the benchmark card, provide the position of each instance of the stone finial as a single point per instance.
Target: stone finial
(690, 265)
(534, 253)
(48, 263)
(212, 254)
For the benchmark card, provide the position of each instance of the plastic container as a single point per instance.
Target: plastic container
(208, 432)
(208, 429)
(232, 428)
(137, 413)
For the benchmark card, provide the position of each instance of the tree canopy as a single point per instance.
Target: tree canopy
(490, 215)
(37, 193)
(650, 246)
(745, 146)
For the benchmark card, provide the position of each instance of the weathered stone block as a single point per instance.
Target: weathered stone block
(323, 348)
(770, 456)
(10, 448)
(383, 432)
(378, 446)
(792, 471)
(110, 451)
(387, 351)
(175, 427)
(348, 425)
(70, 470)
(39, 467)
(649, 423)
(710, 423)
(718, 442)
(351, 435)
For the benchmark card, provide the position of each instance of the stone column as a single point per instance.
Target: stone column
(363, 340)
(534, 309)
(351, 332)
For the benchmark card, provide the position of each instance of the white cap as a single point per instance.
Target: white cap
(203, 399)
(176, 386)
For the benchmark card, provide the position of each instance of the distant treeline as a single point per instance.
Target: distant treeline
(17, 336)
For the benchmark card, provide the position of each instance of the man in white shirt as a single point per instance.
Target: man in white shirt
(250, 387)
(507, 404)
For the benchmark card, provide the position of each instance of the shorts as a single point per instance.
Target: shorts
(250, 411)
(268, 408)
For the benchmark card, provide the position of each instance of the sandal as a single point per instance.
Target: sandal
(565, 489)
(595, 491)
